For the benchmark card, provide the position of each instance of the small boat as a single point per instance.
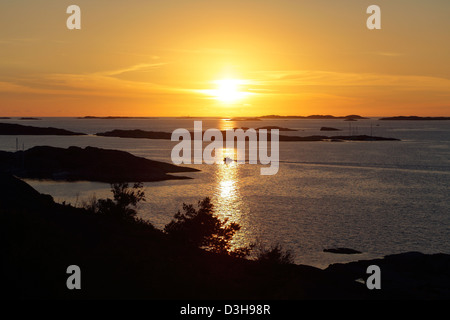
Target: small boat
(227, 160)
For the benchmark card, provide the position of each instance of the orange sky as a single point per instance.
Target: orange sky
(163, 58)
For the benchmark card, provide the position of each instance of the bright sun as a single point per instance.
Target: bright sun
(228, 90)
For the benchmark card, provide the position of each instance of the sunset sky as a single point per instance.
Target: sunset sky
(182, 57)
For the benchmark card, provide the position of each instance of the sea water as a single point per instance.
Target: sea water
(378, 197)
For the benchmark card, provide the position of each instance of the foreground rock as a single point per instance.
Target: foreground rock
(411, 275)
(128, 260)
(17, 194)
(121, 260)
(17, 129)
(89, 164)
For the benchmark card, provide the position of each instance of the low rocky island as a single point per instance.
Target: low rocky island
(337, 138)
(342, 251)
(167, 135)
(269, 128)
(414, 118)
(315, 117)
(114, 118)
(138, 134)
(12, 129)
(329, 129)
(88, 164)
(245, 119)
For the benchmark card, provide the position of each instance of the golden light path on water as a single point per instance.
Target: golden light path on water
(227, 198)
(227, 188)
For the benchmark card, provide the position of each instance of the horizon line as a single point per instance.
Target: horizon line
(35, 117)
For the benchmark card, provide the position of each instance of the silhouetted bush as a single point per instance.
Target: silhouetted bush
(124, 203)
(201, 228)
(275, 255)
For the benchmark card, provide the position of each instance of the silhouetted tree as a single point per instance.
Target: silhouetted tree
(124, 203)
(201, 228)
(275, 255)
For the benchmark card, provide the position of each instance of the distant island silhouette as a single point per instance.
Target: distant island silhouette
(17, 129)
(329, 129)
(342, 251)
(414, 118)
(88, 164)
(142, 134)
(137, 133)
(115, 117)
(316, 117)
(245, 119)
(337, 138)
(352, 117)
(268, 128)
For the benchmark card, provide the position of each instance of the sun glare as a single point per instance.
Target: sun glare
(229, 90)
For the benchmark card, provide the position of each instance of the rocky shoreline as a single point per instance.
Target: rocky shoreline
(136, 261)
(88, 164)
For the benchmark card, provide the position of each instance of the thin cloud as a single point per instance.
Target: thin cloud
(289, 83)
(138, 67)
(338, 79)
(103, 83)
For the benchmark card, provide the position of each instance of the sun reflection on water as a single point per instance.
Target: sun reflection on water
(227, 124)
(227, 190)
(228, 200)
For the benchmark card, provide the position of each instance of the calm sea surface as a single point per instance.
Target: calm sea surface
(376, 197)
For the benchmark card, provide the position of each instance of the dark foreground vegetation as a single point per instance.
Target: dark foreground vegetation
(124, 257)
